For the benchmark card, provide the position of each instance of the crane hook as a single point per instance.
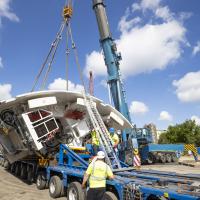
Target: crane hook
(68, 10)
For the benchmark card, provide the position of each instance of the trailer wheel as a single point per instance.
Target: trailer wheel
(153, 197)
(12, 168)
(6, 165)
(75, 191)
(41, 181)
(150, 158)
(23, 173)
(168, 158)
(2, 162)
(55, 187)
(30, 175)
(174, 157)
(163, 158)
(17, 169)
(109, 196)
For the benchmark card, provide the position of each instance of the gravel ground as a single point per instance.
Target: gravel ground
(12, 188)
(174, 168)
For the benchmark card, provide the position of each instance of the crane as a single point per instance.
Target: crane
(148, 152)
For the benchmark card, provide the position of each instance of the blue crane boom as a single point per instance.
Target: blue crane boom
(112, 58)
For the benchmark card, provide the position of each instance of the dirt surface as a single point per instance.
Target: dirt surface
(12, 188)
(173, 168)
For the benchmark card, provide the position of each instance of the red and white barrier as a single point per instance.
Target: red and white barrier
(136, 161)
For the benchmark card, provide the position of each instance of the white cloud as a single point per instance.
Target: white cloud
(135, 7)
(6, 12)
(196, 119)
(185, 15)
(138, 108)
(196, 49)
(5, 91)
(164, 13)
(104, 83)
(1, 63)
(95, 63)
(125, 25)
(60, 84)
(145, 47)
(165, 116)
(146, 4)
(188, 87)
(150, 4)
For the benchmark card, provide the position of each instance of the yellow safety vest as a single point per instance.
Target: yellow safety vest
(98, 172)
(95, 140)
(114, 137)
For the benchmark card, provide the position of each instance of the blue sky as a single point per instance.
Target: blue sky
(159, 41)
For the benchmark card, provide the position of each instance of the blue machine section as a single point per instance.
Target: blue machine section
(67, 157)
(145, 150)
(112, 62)
(166, 147)
(198, 150)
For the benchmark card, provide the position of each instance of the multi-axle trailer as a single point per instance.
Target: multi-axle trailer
(65, 177)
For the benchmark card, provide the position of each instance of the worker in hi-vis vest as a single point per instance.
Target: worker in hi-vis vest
(97, 172)
(114, 137)
(95, 142)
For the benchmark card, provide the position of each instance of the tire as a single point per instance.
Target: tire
(157, 158)
(41, 181)
(168, 158)
(75, 192)
(6, 165)
(109, 196)
(163, 158)
(153, 197)
(30, 175)
(150, 159)
(23, 173)
(12, 168)
(2, 162)
(174, 157)
(17, 169)
(55, 187)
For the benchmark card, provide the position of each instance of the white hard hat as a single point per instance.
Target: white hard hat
(100, 155)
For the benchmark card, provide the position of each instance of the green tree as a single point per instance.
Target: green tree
(188, 132)
(163, 139)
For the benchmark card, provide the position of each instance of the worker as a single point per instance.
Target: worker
(97, 172)
(95, 142)
(114, 137)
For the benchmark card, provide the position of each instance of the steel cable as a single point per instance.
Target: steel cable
(76, 57)
(46, 60)
(59, 37)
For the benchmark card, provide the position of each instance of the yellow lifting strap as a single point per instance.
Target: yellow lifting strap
(43, 162)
